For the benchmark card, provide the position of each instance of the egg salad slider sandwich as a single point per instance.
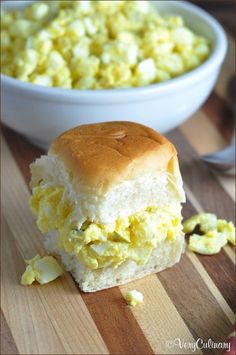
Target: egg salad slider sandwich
(108, 198)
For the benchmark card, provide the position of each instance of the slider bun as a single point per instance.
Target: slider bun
(112, 170)
(105, 154)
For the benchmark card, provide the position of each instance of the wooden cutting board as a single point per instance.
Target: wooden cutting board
(192, 300)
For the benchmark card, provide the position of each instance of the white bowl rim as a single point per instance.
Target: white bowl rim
(130, 94)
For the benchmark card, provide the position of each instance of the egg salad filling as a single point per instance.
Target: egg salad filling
(133, 298)
(97, 44)
(100, 245)
(212, 234)
(42, 269)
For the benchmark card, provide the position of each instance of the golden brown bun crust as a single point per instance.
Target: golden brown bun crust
(105, 154)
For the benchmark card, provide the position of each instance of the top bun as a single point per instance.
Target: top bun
(105, 154)
(111, 170)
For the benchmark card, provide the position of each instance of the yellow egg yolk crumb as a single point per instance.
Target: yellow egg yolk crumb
(133, 298)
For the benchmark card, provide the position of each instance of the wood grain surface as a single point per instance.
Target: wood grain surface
(194, 299)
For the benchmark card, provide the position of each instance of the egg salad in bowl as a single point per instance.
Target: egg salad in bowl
(78, 62)
(108, 199)
(97, 44)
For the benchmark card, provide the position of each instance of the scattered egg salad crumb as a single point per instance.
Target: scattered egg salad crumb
(44, 270)
(213, 233)
(97, 44)
(100, 245)
(133, 298)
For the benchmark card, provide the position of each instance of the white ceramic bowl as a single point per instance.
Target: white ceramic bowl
(42, 113)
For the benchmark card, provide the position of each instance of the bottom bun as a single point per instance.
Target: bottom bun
(165, 255)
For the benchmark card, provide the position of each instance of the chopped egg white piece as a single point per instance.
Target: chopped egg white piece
(146, 71)
(43, 80)
(208, 244)
(43, 270)
(134, 298)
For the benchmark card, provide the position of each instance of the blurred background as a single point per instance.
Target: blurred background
(222, 10)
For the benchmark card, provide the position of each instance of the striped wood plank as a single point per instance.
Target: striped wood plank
(35, 310)
(170, 298)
